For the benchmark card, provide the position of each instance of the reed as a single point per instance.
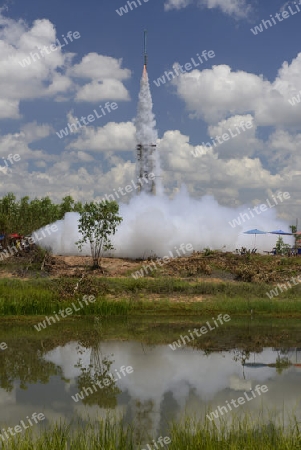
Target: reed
(110, 434)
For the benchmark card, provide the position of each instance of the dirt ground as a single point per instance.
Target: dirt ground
(75, 265)
(116, 267)
(217, 267)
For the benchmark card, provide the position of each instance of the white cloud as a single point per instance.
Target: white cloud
(176, 4)
(33, 132)
(233, 181)
(106, 77)
(238, 178)
(113, 136)
(219, 93)
(26, 74)
(99, 67)
(104, 90)
(241, 140)
(236, 8)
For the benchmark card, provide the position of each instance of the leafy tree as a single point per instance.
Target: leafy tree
(281, 247)
(67, 205)
(293, 228)
(78, 207)
(98, 221)
(297, 237)
(26, 215)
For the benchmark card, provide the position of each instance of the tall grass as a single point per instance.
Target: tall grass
(110, 434)
(119, 296)
(106, 434)
(35, 298)
(242, 433)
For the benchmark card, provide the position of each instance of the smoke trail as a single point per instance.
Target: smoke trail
(145, 121)
(146, 136)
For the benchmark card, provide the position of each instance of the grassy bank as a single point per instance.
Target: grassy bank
(243, 333)
(127, 296)
(111, 435)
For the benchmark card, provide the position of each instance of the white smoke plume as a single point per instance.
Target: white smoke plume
(155, 225)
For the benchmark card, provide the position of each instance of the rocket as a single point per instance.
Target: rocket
(145, 54)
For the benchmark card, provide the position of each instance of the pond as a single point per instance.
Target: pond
(147, 384)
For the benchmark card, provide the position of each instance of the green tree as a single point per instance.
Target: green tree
(67, 205)
(281, 247)
(98, 221)
(297, 236)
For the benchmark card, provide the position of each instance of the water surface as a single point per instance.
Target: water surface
(42, 376)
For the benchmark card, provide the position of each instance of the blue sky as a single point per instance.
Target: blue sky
(251, 78)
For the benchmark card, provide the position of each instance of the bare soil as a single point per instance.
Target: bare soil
(59, 266)
(216, 267)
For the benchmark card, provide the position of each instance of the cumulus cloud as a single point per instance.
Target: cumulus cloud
(219, 93)
(26, 74)
(235, 180)
(235, 8)
(100, 67)
(113, 136)
(37, 79)
(106, 77)
(33, 132)
(102, 90)
(235, 137)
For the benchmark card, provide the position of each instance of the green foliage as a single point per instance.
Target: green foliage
(293, 228)
(281, 247)
(25, 216)
(297, 236)
(98, 221)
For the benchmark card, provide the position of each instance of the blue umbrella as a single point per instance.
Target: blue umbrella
(281, 232)
(255, 231)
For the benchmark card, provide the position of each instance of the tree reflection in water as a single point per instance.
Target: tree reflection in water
(23, 360)
(97, 371)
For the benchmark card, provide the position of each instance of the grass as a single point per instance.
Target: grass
(242, 433)
(63, 436)
(125, 296)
